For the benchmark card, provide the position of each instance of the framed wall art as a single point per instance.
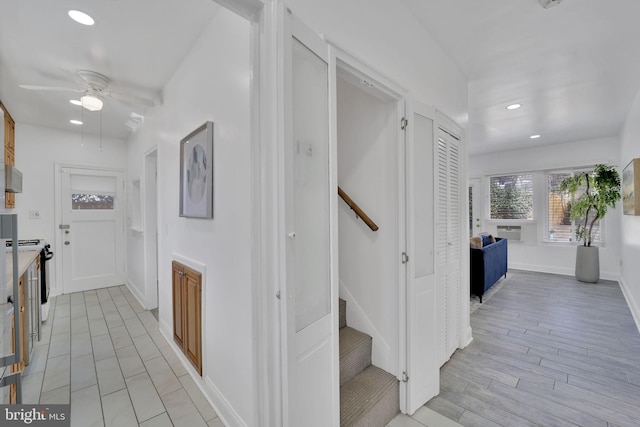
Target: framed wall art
(196, 173)
(631, 188)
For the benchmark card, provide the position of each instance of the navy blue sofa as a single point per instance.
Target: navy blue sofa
(488, 264)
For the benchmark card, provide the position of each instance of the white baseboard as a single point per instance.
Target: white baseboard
(216, 399)
(564, 271)
(227, 414)
(135, 292)
(468, 339)
(631, 302)
(358, 319)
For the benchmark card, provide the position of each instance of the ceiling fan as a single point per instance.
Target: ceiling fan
(94, 90)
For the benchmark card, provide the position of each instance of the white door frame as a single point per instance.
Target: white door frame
(150, 227)
(341, 59)
(58, 240)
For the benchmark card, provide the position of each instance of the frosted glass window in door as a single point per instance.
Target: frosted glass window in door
(423, 196)
(311, 186)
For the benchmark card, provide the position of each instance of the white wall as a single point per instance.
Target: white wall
(212, 83)
(534, 254)
(386, 36)
(37, 150)
(368, 173)
(630, 236)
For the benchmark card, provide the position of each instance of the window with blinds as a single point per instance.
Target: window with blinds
(559, 227)
(511, 196)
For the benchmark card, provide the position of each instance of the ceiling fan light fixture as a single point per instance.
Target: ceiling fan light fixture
(81, 17)
(513, 106)
(548, 4)
(91, 103)
(75, 101)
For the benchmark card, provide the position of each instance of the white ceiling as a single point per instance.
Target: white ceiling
(575, 68)
(137, 44)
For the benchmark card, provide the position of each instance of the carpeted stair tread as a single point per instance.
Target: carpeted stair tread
(370, 399)
(342, 310)
(355, 353)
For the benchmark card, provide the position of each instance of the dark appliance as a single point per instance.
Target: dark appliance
(45, 285)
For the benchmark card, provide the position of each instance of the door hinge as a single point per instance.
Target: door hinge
(404, 123)
(405, 258)
(405, 377)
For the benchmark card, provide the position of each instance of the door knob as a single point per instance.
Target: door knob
(67, 243)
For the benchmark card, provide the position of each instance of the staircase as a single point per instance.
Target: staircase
(368, 395)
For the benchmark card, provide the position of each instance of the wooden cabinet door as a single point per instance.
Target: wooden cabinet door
(192, 287)
(9, 152)
(178, 304)
(18, 308)
(187, 312)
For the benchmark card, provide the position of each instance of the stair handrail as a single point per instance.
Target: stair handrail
(359, 212)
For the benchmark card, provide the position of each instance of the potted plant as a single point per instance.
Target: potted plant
(593, 193)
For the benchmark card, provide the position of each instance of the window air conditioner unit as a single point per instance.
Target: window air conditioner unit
(511, 232)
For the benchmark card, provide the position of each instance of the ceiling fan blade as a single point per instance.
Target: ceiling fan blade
(131, 99)
(52, 88)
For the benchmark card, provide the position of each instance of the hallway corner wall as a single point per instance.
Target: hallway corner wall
(212, 83)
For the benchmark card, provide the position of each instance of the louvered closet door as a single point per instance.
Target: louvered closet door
(448, 243)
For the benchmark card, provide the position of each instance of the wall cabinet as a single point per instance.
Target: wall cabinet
(26, 304)
(9, 151)
(187, 312)
(18, 307)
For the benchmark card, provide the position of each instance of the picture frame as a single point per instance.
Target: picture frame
(631, 188)
(196, 173)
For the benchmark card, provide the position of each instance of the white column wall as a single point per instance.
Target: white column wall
(630, 225)
(212, 83)
(533, 253)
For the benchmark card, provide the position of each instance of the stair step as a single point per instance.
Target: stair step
(342, 305)
(355, 353)
(370, 399)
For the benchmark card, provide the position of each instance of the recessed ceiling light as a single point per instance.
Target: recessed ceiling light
(75, 122)
(513, 106)
(81, 17)
(76, 102)
(534, 136)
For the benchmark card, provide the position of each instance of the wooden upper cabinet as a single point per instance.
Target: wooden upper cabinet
(9, 151)
(187, 312)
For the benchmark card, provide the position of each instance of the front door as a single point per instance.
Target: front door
(91, 228)
(422, 373)
(310, 348)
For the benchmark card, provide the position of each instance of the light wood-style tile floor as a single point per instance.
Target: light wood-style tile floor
(547, 351)
(103, 353)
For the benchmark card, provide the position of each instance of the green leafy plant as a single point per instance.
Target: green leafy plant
(598, 190)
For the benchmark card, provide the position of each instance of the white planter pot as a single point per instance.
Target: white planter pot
(588, 264)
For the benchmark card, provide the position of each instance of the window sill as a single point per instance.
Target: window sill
(573, 244)
(512, 221)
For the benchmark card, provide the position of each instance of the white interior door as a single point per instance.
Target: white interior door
(91, 228)
(422, 380)
(311, 369)
(448, 256)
